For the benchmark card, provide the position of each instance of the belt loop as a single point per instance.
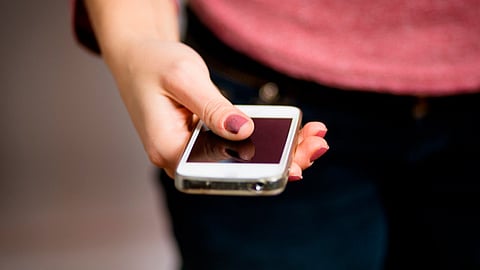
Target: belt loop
(420, 108)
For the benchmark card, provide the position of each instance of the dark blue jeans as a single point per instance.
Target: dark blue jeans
(397, 189)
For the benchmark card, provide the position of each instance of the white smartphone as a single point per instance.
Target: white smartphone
(256, 166)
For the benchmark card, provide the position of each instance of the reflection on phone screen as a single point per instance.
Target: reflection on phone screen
(265, 145)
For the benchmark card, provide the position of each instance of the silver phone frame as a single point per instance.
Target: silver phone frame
(240, 179)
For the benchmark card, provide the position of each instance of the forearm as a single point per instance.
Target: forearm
(119, 24)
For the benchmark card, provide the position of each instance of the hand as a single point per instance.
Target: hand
(311, 146)
(166, 87)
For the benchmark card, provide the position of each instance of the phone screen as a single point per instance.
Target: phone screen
(265, 145)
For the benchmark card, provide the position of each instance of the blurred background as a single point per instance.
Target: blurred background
(76, 189)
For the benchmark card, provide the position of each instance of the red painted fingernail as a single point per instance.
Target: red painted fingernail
(318, 153)
(295, 178)
(234, 123)
(321, 133)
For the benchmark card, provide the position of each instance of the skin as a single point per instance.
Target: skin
(166, 87)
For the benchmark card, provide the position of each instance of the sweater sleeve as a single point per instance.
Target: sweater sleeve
(82, 28)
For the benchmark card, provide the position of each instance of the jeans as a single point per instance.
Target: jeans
(397, 189)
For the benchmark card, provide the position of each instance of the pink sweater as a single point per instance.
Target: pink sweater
(419, 47)
(415, 47)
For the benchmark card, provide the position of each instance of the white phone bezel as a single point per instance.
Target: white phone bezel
(241, 178)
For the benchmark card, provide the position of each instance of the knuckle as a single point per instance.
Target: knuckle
(212, 109)
(183, 71)
(178, 74)
(304, 162)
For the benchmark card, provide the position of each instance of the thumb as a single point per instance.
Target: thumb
(190, 85)
(223, 118)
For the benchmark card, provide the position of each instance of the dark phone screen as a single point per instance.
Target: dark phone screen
(265, 145)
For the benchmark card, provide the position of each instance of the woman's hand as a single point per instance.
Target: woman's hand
(311, 146)
(166, 85)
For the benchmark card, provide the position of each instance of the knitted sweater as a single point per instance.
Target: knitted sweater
(414, 47)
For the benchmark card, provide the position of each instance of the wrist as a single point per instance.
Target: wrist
(120, 24)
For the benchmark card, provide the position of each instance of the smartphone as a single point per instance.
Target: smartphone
(256, 166)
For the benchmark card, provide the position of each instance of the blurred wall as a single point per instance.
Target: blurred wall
(76, 189)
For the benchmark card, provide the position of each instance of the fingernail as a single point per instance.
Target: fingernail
(321, 133)
(295, 178)
(234, 123)
(318, 153)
